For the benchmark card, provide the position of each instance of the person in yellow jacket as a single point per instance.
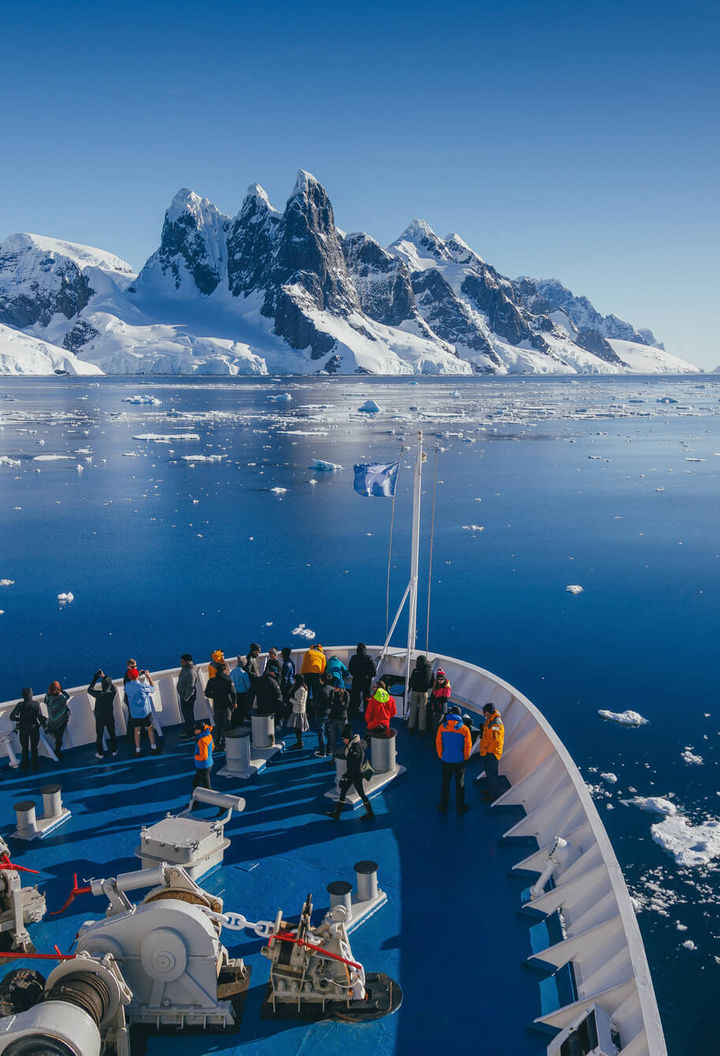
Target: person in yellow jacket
(313, 665)
(492, 741)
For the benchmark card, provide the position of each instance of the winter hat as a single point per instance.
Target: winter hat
(218, 655)
(381, 696)
(132, 674)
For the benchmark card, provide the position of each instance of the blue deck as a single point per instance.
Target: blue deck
(450, 932)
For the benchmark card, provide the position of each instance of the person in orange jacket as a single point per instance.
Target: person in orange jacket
(313, 665)
(215, 660)
(492, 741)
(380, 709)
(453, 743)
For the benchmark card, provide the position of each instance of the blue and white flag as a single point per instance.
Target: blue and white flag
(377, 479)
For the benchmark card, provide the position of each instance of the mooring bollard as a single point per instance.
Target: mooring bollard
(52, 801)
(263, 730)
(340, 892)
(25, 815)
(237, 750)
(366, 876)
(382, 751)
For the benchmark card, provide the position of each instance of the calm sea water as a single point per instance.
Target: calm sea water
(541, 483)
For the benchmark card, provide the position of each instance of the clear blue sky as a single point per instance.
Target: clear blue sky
(571, 138)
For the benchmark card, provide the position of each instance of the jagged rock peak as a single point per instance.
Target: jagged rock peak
(304, 183)
(186, 201)
(419, 233)
(256, 196)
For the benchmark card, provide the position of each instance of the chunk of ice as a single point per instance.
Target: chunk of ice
(574, 588)
(67, 598)
(323, 466)
(624, 718)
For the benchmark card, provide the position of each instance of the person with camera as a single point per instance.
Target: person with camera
(139, 690)
(104, 712)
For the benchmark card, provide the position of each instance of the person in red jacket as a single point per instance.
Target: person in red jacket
(380, 709)
(439, 698)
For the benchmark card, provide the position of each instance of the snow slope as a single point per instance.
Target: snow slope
(21, 353)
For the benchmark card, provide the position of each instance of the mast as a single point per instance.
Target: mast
(414, 565)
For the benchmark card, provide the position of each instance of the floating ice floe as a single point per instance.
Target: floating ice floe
(473, 528)
(52, 458)
(5, 460)
(280, 397)
(324, 467)
(66, 599)
(79, 468)
(574, 588)
(150, 401)
(369, 407)
(202, 458)
(689, 757)
(166, 438)
(689, 945)
(610, 778)
(624, 718)
(301, 631)
(690, 845)
(279, 491)
(7, 582)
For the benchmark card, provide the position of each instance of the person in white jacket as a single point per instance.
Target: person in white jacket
(298, 719)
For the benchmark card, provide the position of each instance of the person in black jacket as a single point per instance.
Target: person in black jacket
(355, 756)
(421, 680)
(268, 696)
(221, 691)
(187, 684)
(29, 719)
(339, 704)
(362, 670)
(323, 696)
(104, 712)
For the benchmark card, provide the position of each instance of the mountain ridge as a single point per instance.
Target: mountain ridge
(286, 291)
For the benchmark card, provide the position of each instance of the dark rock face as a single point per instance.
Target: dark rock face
(447, 315)
(545, 295)
(60, 287)
(181, 239)
(594, 342)
(79, 335)
(250, 245)
(381, 280)
(504, 317)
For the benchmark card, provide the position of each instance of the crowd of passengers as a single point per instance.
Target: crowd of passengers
(315, 698)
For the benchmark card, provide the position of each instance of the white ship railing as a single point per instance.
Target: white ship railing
(601, 935)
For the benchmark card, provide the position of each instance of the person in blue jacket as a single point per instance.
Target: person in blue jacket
(203, 758)
(139, 690)
(337, 669)
(453, 744)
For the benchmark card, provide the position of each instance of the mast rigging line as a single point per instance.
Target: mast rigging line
(432, 538)
(392, 522)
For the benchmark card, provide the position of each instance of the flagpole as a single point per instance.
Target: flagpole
(414, 565)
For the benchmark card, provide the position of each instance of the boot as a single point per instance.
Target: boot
(369, 812)
(335, 812)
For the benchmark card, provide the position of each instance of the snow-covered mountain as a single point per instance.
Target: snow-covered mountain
(271, 291)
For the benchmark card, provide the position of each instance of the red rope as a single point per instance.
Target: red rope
(72, 896)
(287, 937)
(40, 956)
(5, 863)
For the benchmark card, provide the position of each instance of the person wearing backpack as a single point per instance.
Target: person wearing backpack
(139, 690)
(29, 719)
(356, 765)
(56, 702)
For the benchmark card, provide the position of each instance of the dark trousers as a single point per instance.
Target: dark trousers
(242, 712)
(222, 716)
(359, 693)
(188, 713)
(323, 736)
(102, 723)
(58, 734)
(202, 779)
(312, 681)
(450, 770)
(490, 763)
(29, 743)
(356, 780)
(336, 727)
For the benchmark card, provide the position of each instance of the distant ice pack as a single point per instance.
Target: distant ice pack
(624, 718)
